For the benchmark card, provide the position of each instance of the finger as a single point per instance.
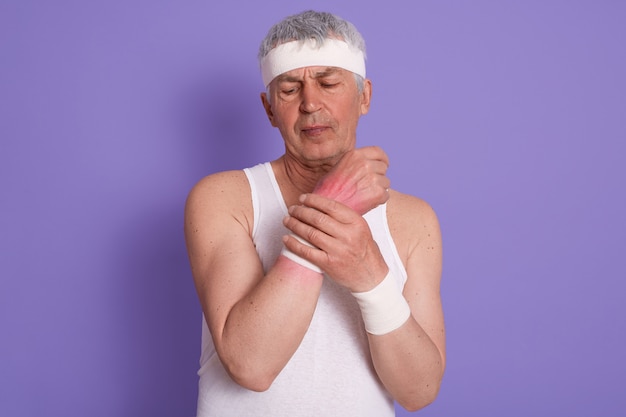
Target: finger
(379, 167)
(375, 153)
(333, 209)
(309, 221)
(305, 222)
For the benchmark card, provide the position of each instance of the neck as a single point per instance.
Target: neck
(296, 177)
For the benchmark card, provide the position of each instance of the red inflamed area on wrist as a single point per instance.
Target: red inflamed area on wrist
(330, 188)
(295, 270)
(334, 191)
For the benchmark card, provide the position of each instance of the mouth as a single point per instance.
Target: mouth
(313, 131)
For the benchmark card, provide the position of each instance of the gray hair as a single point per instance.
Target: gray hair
(313, 25)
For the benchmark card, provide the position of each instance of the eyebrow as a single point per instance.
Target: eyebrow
(319, 74)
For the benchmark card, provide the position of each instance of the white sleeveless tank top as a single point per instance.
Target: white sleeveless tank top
(331, 373)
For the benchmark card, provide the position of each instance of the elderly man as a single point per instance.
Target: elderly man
(319, 284)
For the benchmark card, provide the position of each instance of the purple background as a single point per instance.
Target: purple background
(508, 117)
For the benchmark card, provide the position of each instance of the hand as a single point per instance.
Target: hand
(358, 180)
(343, 243)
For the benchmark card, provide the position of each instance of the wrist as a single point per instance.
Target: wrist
(384, 308)
(297, 258)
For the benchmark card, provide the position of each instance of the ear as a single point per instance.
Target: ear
(268, 108)
(366, 96)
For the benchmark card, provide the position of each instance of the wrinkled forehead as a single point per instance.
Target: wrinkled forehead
(293, 55)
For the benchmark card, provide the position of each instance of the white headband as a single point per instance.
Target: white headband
(297, 54)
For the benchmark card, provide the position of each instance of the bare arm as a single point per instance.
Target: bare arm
(411, 360)
(257, 322)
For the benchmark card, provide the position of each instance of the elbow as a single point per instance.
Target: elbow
(250, 378)
(247, 369)
(418, 402)
(257, 384)
(426, 395)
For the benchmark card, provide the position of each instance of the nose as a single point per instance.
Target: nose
(310, 99)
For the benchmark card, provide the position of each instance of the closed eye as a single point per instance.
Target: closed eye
(289, 90)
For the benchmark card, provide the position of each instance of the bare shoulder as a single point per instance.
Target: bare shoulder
(221, 185)
(413, 224)
(218, 197)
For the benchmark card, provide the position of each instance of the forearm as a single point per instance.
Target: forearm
(409, 364)
(264, 329)
(406, 358)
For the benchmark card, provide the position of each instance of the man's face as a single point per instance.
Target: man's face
(317, 110)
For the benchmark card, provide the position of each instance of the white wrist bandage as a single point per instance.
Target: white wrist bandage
(383, 308)
(298, 259)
